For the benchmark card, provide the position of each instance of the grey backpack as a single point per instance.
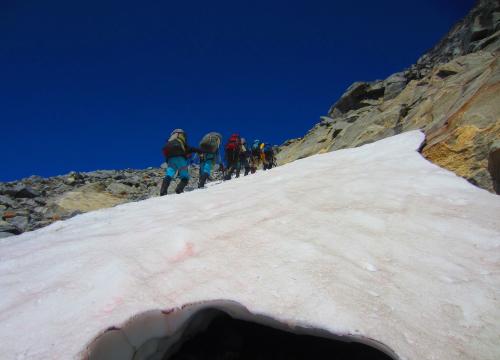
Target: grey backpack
(211, 142)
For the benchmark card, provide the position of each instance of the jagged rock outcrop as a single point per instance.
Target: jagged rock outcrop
(452, 93)
(478, 30)
(35, 202)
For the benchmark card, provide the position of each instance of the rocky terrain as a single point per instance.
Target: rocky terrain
(452, 93)
(35, 202)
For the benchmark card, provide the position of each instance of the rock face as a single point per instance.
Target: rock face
(35, 202)
(452, 93)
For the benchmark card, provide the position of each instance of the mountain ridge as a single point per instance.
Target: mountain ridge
(452, 93)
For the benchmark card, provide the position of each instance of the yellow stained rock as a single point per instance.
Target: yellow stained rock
(88, 198)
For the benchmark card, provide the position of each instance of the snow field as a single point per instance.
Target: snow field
(373, 242)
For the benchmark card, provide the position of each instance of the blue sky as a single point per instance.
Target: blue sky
(89, 85)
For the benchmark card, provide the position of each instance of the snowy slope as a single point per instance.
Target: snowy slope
(373, 242)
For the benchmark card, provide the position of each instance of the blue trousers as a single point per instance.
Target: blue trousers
(178, 164)
(207, 164)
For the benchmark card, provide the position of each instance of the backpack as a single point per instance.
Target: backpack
(175, 146)
(256, 147)
(233, 144)
(268, 149)
(210, 142)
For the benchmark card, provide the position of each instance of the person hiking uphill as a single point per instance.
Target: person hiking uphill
(209, 146)
(269, 159)
(256, 158)
(245, 158)
(176, 152)
(232, 152)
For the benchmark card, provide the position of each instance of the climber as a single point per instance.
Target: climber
(245, 158)
(232, 152)
(176, 152)
(269, 159)
(209, 145)
(262, 155)
(256, 159)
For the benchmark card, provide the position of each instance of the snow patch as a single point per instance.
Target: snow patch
(360, 242)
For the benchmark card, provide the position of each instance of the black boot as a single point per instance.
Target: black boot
(181, 185)
(203, 180)
(164, 185)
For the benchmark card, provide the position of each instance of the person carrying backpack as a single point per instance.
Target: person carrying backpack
(245, 158)
(256, 159)
(232, 152)
(269, 160)
(176, 152)
(209, 146)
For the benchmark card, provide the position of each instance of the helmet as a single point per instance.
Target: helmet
(243, 141)
(177, 131)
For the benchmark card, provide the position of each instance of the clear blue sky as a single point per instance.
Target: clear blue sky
(89, 85)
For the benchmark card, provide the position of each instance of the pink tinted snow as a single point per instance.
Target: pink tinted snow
(373, 242)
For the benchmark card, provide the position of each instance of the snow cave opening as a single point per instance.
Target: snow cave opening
(225, 337)
(225, 330)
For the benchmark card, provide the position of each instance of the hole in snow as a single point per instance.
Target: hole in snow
(229, 338)
(224, 330)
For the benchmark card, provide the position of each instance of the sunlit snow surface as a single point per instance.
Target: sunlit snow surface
(374, 242)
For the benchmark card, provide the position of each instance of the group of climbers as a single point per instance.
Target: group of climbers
(248, 157)
(238, 156)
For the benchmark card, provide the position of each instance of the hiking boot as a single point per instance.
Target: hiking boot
(181, 185)
(203, 180)
(164, 185)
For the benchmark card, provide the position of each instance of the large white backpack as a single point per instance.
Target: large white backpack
(211, 142)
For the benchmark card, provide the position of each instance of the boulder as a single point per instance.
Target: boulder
(74, 178)
(20, 222)
(40, 201)
(8, 227)
(8, 214)
(29, 203)
(22, 191)
(133, 180)
(358, 95)
(6, 200)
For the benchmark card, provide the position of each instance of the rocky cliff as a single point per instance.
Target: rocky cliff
(452, 93)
